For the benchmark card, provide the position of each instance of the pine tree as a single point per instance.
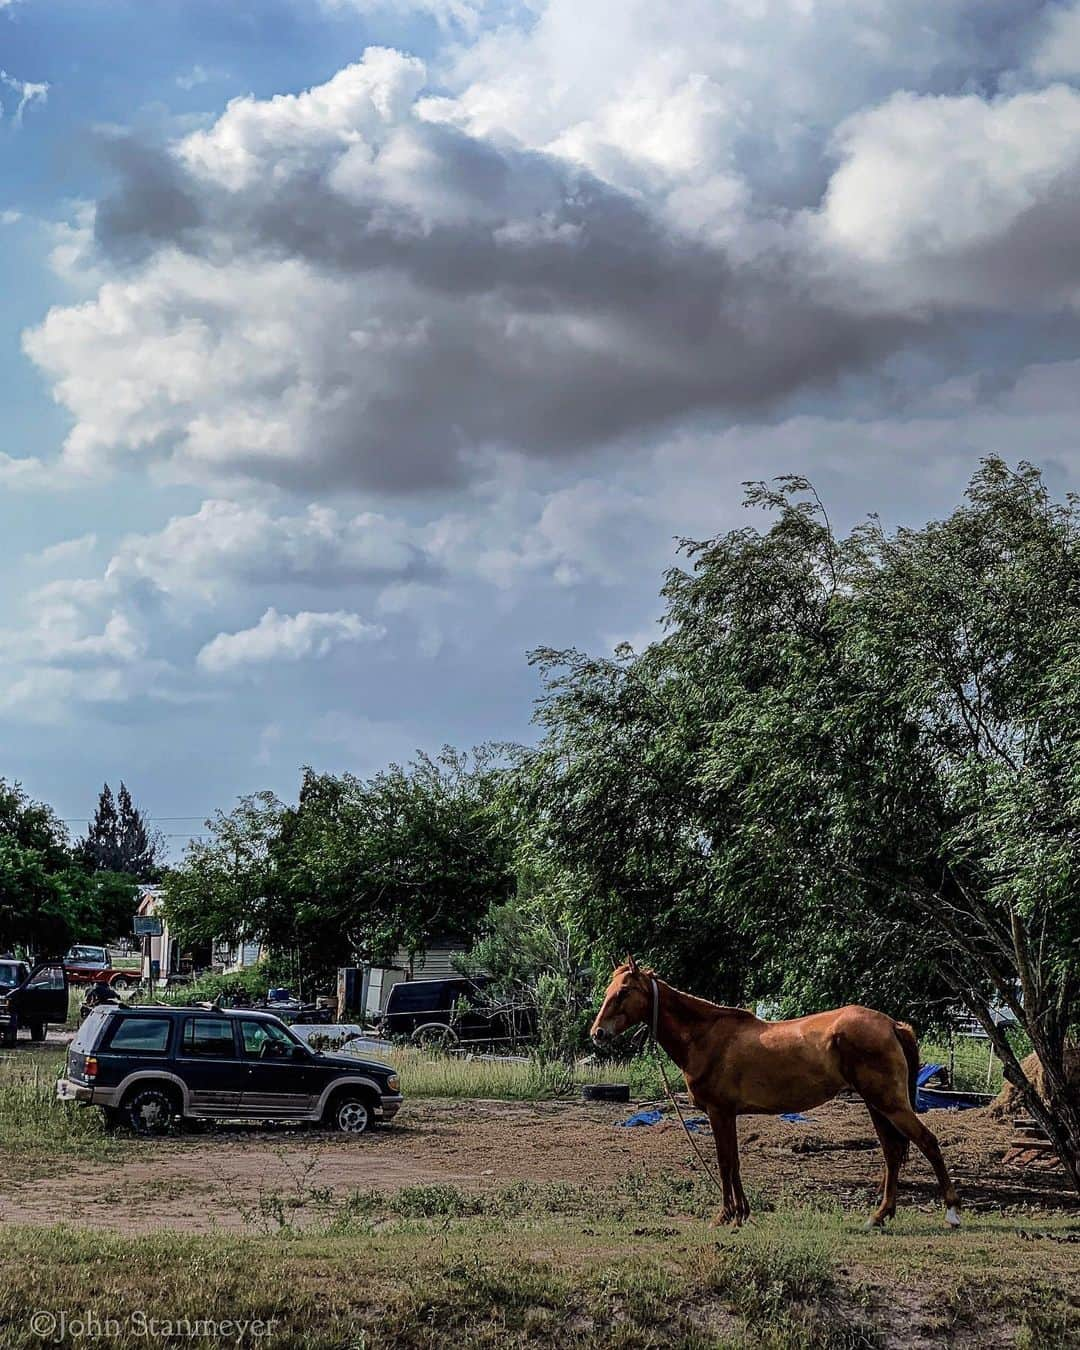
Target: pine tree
(118, 838)
(138, 847)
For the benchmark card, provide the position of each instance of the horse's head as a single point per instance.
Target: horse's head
(627, 1001)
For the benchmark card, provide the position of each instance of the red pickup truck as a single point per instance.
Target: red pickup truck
(91, 965)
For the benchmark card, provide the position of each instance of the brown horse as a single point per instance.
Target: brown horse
(735, 1064)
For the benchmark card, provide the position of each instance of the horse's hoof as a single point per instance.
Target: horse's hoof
(952, 1217)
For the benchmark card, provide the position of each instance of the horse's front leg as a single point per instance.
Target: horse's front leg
(727, 1159)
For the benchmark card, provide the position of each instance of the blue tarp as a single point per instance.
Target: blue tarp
(926, 1072)
(642, 1118)
(695, 1123)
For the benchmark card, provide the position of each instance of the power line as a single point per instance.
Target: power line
(74, 820)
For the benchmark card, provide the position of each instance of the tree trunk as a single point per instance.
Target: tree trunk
(1059, 1116)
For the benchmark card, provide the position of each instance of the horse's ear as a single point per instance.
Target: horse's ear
(632, 964)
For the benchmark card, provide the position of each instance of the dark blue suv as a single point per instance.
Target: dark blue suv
(148, 1065)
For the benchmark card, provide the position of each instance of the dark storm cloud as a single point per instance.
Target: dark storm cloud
(557, 311)
(153, 202)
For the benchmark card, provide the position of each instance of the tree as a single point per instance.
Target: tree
(537, 954)
(46, 895)
(357, 868)
(118, 838)
(866, 751)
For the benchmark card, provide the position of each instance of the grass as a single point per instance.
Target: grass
(36, 1131)
(971, 1060)
(631, 1266)
(424, 1074)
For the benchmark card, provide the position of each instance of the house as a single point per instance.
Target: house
(163, 957)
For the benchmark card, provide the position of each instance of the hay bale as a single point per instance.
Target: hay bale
(1009, 1102)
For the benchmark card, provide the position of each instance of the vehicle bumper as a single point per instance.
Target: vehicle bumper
(67, 1090)
(391, 1106)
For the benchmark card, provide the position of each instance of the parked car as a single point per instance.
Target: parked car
(85, 964)
(147, 1065)
(38, 996)
(452, 1011)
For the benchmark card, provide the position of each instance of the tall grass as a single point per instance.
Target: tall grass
(427, 1074)
(974, 1069)
(36, 1129)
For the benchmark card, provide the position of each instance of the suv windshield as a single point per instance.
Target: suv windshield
(95, 954)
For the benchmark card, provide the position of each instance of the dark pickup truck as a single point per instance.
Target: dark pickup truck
(31, 997)
(147, 1065)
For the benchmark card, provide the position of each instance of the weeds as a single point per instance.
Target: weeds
(34, 1126)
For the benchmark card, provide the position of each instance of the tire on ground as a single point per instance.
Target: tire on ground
(606, 1092)
(350, 1110)
(149, 1108)
(37, 1031)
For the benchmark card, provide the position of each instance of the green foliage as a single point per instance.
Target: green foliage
(538, 954)
(46, 895)
(118, 838)
(850, 769)
(356, 869)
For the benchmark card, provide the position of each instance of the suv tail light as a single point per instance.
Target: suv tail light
(90, 1069)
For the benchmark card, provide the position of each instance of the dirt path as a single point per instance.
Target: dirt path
(215, 1180)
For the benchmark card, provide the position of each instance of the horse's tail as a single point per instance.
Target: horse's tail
(905, 1034)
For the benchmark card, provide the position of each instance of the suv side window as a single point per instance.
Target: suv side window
(208, 1038)
(265, 1040)
(140, 1035)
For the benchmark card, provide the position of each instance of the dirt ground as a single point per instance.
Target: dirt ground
(215, 1178)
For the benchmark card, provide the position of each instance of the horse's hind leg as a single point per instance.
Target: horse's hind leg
(895, 1148)
(909, 1125)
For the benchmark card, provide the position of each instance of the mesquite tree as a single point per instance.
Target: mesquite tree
(861, 756)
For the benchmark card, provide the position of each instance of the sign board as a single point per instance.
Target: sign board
(147, 925)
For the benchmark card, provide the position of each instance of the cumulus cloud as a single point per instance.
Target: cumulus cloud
(331, 288)
(30, 473)
(983, 198)
(227, 544)
(1057, 54)
(592, 224)
(284, 637)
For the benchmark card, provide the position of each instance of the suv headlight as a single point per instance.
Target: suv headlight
(393, 1084)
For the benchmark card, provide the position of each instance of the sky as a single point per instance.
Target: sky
(351, 349)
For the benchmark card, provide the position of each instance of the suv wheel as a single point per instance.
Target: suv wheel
(150, 1110)
(122, 985)
(350, 1113)
(37, 1031)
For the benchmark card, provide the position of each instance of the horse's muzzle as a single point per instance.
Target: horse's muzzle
(601, 1036)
